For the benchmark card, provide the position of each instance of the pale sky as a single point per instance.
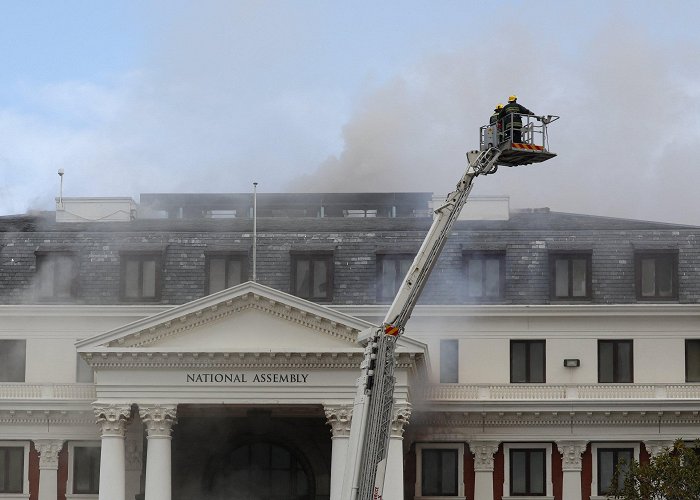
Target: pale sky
(209, 96)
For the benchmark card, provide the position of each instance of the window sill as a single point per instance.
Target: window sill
(82, 496)
(537, 497)
(14, 496)
(439, 498)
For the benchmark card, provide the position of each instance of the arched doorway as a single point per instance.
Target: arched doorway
(259, 470)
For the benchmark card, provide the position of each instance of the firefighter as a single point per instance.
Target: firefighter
(499, 124)
(510, 117)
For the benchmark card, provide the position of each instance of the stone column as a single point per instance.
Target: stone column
(657, 447)
(159, 420)
(571, 466)
(483, 452)
(393, 483)
(112, 419)
(48, 450)
(339, 418)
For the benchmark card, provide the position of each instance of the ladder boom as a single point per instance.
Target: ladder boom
(373, 407)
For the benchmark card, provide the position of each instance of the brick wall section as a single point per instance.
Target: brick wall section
(527, 240)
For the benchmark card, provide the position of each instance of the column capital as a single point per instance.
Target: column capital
(657, 447)
(483, 452)
(571, 452)
(48, 450)
(112, 418)
(400, 418)
(159, 419)
(339, 417)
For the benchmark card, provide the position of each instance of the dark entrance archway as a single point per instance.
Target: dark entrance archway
(229, 453)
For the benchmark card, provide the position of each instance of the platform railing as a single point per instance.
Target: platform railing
(22, 391)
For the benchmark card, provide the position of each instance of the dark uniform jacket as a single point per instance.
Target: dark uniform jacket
(517, 110)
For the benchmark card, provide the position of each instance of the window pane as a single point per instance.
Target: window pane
(86, 469)
(664, 276)
(449, 361)
(537, 469)
(217, 274)
(430, 472)
(561, 270)
(149, 278)
(536, 362)
(12, 360)
(131, 277)
(388, 278)
(303, 277)
(63, 276)
(579, 277)
(626, 457)
(518, 362)
(606, 469)
(11, 469)
(605, 362)
(624, 362)
(648, 277)
(449, 472)
(492, 278)
(692, 359)
(320, 285)
(475, 278)
(45, 274)
(235, 273)
(518, 478)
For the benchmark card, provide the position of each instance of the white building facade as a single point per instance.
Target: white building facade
(138, 361)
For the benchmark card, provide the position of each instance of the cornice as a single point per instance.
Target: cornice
(601, 418)
(543, 310)
(222, 360)
(46, 417)
(73, 310)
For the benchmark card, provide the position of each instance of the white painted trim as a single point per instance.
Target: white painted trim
(594, 461)
(25, 472)
(69, 485)
(549, 487)
(460, 468)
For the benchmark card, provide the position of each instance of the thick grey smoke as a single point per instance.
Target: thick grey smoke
(627, 140)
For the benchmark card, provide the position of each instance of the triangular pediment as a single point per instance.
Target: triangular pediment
(246, 318)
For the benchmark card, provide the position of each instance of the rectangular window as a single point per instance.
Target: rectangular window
(11, 469)
(439, 472)
(226, 270)
(449, 361)
(312, 276)
(391, 270)
(485, 275)
(13, 355)
(692, 360)
(570, 276)
(528, 471)
(615, 361)
(86, 469)
(527, 361)
(656, 275)
(608, 460)
(57, 276)
(141, 277)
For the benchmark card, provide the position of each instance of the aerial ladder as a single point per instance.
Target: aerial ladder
(372, 409)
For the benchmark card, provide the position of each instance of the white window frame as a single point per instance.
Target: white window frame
(69, 485)
(25, 480)
(594, 461)
(460, 469)
(549, 487)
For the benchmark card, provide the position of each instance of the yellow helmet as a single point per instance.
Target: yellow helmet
(499, 106)
(513, 98)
